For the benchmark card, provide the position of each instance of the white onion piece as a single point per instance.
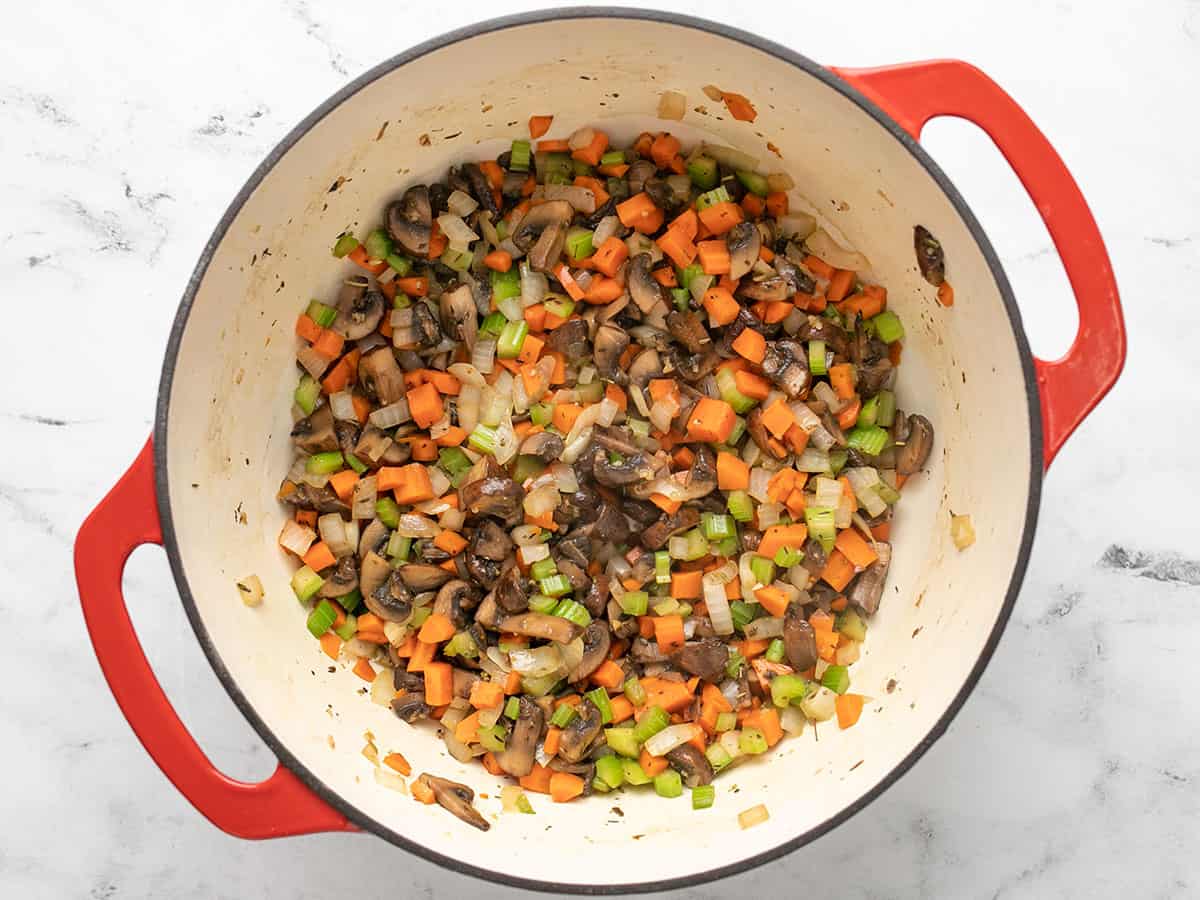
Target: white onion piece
(499, 659)
(669, 738)
(813, 460)
(531, 553)
(564, 478)
(395, 633)
(462, 204)
(608, 412)
(794, 321)
(333, 532)
(571, 654)
(457, 748)
(662, 412)
(825, 248)
(315, 479)
(510, 795)
(511, 308)
(391, 780)
(489, 230)
(792, 720)
(760, 478)
(718, 606)
(439, 481)
(296, 537)
(467, 374)
(727, 156)
(483, 357)
(453, 519)
(819, 705)
(365, 495)
(526, 535)
(843, 512)
(828, 491)
(537, 661)
(506, 441)
(312, 362)
(639, 400)
(456, 230)
(520, 399)
(250, 589)
(341, 405)
(541, 500)
(689, 627)
(391, 415)
(779, 182)
(468, 405)
(751, 454)
(356, 649)
(581, 138)
(490, 716)
(383, 688)
(608, 227)
(749, 583)
(848, 654)
(411, 525)
(769, 514)
(765, 627)
(755, 815)
(826, 395)
(730, 739)
(672, 105)
(796, 225)
(534, 286)
(586, 375)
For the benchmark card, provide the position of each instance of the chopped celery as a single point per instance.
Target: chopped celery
(453, 461)
(349, 602)
(599, 699)
(869, 412)
(653, 721)
(775, 651)
(816, 357)
(355, 463)
(743, 613)
(668, 606)
(712, 198)
(725, 547)
(727, 386)
(461, 644)
(752, 741)
(524, 806)
(610, 770)
(560, 306)
(555, 586)
(668, 784)
(634, 773)
(733, 668)
(851, 624)
(786, 557)
(320, 313)
(401, 265)
(635, 603)
(623, 741)
(717, 755)
(739, 428)
(786, 688)
(378, 245)
(506, 284)
(613, 158)
(662, 568)
(715, 527)
(820, 521)
(887, 493)
(458, 260)
(837, 460)
(703, 796)
(512, 708)
(763, 569)
(540, 603)
(837, 679)
(682, 298)
(753, 182)
(308, 392)
(634, 692)
(399, 547)
(741, 507)
(888, 327)
(726, 721)
(492, 325)
(305, 583)
(579, 243)
(703, 172)
(492, 738)
(483, 438)
(519, 156)
(541, 685)
(541, 414)
(543, 568)
(420, 614)
(697, 546)
(579, 167)
(325, 463)
(685, 276)
(563, 715)
(345, 245)
(870, 439)
(512, 339)
(886, 416)
(568, 609)
(321, 619)
(347, 629)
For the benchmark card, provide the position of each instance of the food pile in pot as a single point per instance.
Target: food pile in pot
(596, 459)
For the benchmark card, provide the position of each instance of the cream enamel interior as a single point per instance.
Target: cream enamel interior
(228, 446)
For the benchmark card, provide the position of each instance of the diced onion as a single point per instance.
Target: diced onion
(760, 478)
(819, 705)
(531, 553)
(505, 441)
(639, 400)
(792, 720)
(395, 633)
(483, 357)
(746, 575)
(727, 156)
(467, 374)
(962, 531)
(411, 525)
(843, 512)
(828, 491)
(537, 661)
(510, 795)
(765, 627)
(796, 225)
(729, 740)
(813, 460)
(778, 182)
(581, 138)
(571, 654)
(672, 105)
(564, 478)
(365, 495)
(718, 606)
(391, 780)
(383, 687)
(391, 415)
(341, 405)
(848, 654)
(333, 532)
(677, 547)
(825, 248)
(462, 204)
(533, 286)
(662, 412)
(453, 519)
(456, 230)
(669, 738)
(251, 590)
(826, 395)
(525, 535)
(769, 514)
(608, 412)
(296, 537)
(499, 659)
(468, 405)
(581, 199)
(313, 362)
(755, 815)
(541, 501)
(608, 227)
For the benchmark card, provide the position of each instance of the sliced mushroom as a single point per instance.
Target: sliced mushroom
(420, 332)
(383, 592)
(381, 376)
(456, 798)
(596, 642)
(799, 639)
(487, 615)
(577, 737)
(454, 600)
(549, 248)
(481, 188)
(410, 220)
(784, 363)
(315, 433)
(931, 259)
(706, 658)
(688, 330)
(347, 435)
(460, 318)
(541, 625)
(609, 344)
(374, 538)
(570, 338)
(799, 280)
(815, 557)
(491, 541)
(629, 470)
(492, 495)
(545, 445)
(574, 572)
(305, 496)
(411, 706)
(596, 600)
(867, 589)
(517, 757)
(510, 593)
(342, 580)
(917, 444)
(873, 376)
(622, 626)
(668, 525)
(639, 173)
(646, 365)
(419, 577)
(819, 329)
(372, 444)
(772, 288)
(610, 525)
(691, 764)
(645, 291)
(461, 682)
(360, 316)
(744, 243)
(531, 227)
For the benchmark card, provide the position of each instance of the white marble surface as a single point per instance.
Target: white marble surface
(124, 130)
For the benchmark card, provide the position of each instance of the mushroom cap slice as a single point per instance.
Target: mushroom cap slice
(381, 376)
(799, 639)
(360, 316)
(460, 318)
(744, 243)
(596, 642)
(545, 445)
(706, 658)
(538, 219)
(517, 758)
(691, 764)
(609, 344)
(409, 220)
(917, 444)
(315, 433)
(577, 737)
(541, 625)
(645, 291)
(420, 577)
(867, 589)
(456, 798)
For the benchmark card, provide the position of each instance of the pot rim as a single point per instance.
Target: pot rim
(162, 412)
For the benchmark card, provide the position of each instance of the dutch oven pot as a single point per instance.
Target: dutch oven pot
(220, 441)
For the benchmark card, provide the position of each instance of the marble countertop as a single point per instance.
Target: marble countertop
(1073, 770)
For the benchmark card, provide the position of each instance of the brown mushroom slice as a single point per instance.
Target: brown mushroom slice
(691, 764)
(315, 433)
(481, 188)
(770, 289)
(596, 600)
(510, 593)
(645, 291)
(541, 217)
(487, 614)
(545, 445)
(644, 651)
(381, 376)
(668, 526)
(688, 330)
(409, 220)
(596, 642)
(629, 470)
(541, 625)
(374, 538)
(360, 316)
(706, 658)
(783, 362)
(456, 798)
(491, 541)
(799, 639)
(414, 328)
(799, 280)
(609, 344)
(518, 755)
(453, 601)
(645, 366)
(384, 594)
(931, 259)
(411, 706)
(548, 250)
(305, 496)
(917, 444)
(460, 318)
(420, 577)
(610, 525)
(342, 580)
(570, 338)
(372, 444)
(622, 626)
(867, 589)
(578, 736)
(492, 495)
(744, 243)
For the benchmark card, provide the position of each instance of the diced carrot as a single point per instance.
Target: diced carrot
(467, 730)
(841, 377)
(622, 709)
(795, 501)
(882, 531)
(438, 242)
(665, 503)
(668, 630)
(779, 536)
(849, 707)
(414, 285)
(512, 684)
(863, 304)
(739, 107)
(550, 744)
(495, 174)
(531, 349)
(778, 418)
(539, 125)
(665, 275)
(776, 311)
(439, 683)
(714, 257)
(329, 344)
(712, 704)
(683, 457)
(450, 541)
(567, 280)
(722, 308)
(424, 450)
(595, 185)
(894, 350)
(633, 209)
(565, 415)
(422, 658)
(343, 483)
(753, 205)
(711, 420)
(488, 760)
(777, 204)
(766, 254)
(308, 329)
(538, 779)
(753, 386)
(359, 257)
(486, 694)
(839, 285)
(646, 626)
(773, 599)
(565, 787)
(780, 484)
(319, 557)
(819, 267)
(603, 290)
(732, 472)
(364, 670)
(617, 171)
(425, 405)
(617, 395)
(652, 765)
(855, 548)
(945, 295)
(678, 247)
(649, 223)
(498, 260)
(452, 438)
(331, 644)
(673, 696)
(839, 604)
(415, 485)
(751, 648)
(592, 152)
(437, 628)
(838, 571)
(720, 217)
(751, 345)
(686, 585)
(664, 149)
(609, 256)
(609, 675)
(765, 720)
(848, 416)
(422, 793)
(397, 762)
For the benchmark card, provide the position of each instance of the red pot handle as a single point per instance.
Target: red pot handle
(127, 518)
(914, 93)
